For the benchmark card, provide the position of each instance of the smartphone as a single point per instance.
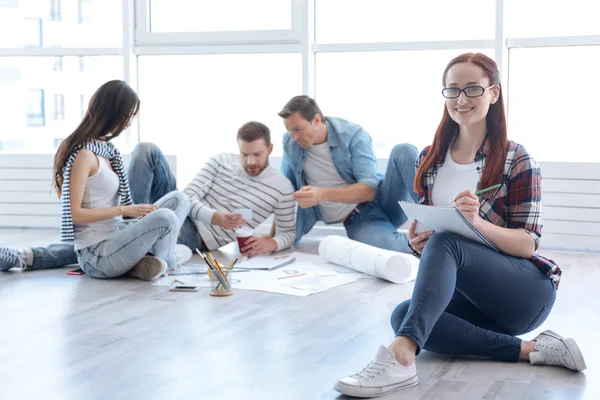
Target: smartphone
(77, 271)
(184, 289)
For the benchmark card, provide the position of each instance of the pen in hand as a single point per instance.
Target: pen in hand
(477, 193)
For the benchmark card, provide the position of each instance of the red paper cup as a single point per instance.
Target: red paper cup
(242, 235)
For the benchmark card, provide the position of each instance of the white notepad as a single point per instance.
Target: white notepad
(444, 219)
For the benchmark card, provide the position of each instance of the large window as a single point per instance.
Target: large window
(223, 22)
(380, 63)
(41, 76)
(219, 16)
(38, 105)
(196, 112)
(360, 21)
(552, 111)
(59, 23)
(395, 96)
(209, 66)
(551, 18)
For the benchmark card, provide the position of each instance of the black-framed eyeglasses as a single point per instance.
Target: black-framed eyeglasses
(469, 91)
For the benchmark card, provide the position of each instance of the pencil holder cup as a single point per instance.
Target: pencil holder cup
(220, 283)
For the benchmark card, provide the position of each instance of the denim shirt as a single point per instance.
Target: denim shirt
(353, 157)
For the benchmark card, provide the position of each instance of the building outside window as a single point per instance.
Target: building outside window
(59, 107)
(36, 115)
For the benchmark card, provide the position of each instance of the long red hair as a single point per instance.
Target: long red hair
(496, 128)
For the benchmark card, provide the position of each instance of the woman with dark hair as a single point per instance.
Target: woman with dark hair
(469, 299)
(90, 179)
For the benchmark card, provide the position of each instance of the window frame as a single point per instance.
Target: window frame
(145, 37)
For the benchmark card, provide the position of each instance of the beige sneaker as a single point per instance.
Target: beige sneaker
(553, 349)
(381, 376)
(148, 268)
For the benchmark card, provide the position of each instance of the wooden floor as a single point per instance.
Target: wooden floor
(67, 337)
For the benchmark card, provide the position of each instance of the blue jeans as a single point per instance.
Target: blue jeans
(470, 300)
(378, 221)
(53, 256)
(150, 178)
(157, 231)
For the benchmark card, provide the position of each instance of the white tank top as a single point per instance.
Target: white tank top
(101, 191)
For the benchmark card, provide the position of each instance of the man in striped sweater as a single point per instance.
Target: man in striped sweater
(226, 183)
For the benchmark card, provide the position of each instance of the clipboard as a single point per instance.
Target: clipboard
(445, 219)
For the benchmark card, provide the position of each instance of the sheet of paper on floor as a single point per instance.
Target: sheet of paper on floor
(319, 276)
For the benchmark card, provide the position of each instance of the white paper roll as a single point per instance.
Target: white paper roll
(385, 264)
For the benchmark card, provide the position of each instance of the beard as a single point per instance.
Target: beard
(255, 170)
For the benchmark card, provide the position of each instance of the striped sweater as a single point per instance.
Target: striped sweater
(101, 148)
(223, 185)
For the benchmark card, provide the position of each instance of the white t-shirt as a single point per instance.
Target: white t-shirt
(451, 179)
(320, 171)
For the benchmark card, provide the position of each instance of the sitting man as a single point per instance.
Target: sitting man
(331, 163)
(227, 182)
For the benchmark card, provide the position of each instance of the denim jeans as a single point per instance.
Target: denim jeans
(470, 300)
(157, 231)
(150, 178)
(378, 221)
(53, 256)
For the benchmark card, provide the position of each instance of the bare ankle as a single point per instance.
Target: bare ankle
(526, 349)
(404, 350)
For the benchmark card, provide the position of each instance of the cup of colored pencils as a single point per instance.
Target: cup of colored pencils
(217, 288)
(220, 276)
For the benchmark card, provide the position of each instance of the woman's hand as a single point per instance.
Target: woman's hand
(138, 210)
(417, 241)
(468, 203)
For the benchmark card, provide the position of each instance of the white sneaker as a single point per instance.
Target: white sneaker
(381, 376)
(148, 268)
(553, 349)
(183, 254)
(547, 336)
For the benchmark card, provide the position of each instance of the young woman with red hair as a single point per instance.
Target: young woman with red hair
(469, 299)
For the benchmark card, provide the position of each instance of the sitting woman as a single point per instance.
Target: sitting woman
(469, 299)
(90, 179)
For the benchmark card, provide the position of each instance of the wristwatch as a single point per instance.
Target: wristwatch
(414, 252)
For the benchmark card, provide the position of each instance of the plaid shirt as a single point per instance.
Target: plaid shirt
(515, 205)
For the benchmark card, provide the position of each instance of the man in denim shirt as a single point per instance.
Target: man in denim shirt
(331, 164)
